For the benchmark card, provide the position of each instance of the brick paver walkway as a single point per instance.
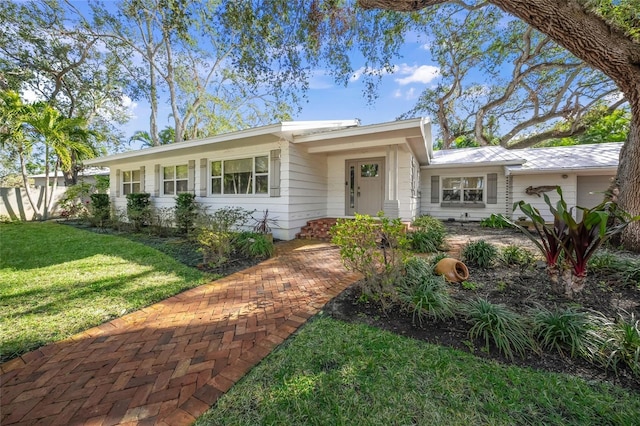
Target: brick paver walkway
(166, 364)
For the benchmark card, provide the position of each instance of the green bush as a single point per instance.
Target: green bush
(375, 247)
(254, 244)
(73, 203)
(495, 323)
(495, 221)
(480, 253)
(427, 235)
(516, 255)
(160, 221)
(562, 330)
(620, 344)
(423, 293)
(625, 269)
(185, 212)
(100, 209)
(215, 233)
(139, 210)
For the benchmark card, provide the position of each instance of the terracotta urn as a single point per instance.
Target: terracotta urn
(453, 270)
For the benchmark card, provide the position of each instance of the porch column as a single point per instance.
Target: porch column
(391, 205)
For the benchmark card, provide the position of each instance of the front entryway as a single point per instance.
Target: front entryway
(364, 189)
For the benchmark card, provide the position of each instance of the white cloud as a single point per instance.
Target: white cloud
(408, 95)
(424, 74)
(130, 106)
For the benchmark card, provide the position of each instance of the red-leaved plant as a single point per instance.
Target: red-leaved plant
(575, 242)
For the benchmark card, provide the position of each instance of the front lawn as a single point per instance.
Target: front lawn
(56, 281)
(334, 373)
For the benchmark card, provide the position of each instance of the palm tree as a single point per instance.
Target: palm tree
(165, 137)
(14, 136)
(65, 140)
(23, 126)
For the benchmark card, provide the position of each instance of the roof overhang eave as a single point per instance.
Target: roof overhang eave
(590, 170)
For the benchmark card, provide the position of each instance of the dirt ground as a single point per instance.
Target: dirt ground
(521, 289)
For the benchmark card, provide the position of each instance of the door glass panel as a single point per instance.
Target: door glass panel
(352, 185)
(369, 170)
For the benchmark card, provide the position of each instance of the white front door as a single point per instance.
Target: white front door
(364, 186)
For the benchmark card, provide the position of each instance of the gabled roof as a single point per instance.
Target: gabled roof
(322, 136)
(567, 158)
(475, 157)
(532, 160)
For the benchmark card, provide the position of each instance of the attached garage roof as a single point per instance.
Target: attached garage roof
(576, 157)
(465, 157)
(532, 160)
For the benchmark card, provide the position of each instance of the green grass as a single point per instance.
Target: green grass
(335, 373)
(56, 280)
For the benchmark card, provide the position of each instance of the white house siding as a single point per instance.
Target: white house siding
(462, 213)
(522, 182)
(278, 206)
(304, 187)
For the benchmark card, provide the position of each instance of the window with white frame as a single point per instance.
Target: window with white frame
(463, 189)
(240, 176)
(175, 179)
(130, 182)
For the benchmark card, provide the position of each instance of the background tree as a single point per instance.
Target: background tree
(49, 57)
(603, 33)
(29, 127)
(504, 83)
(223, 65)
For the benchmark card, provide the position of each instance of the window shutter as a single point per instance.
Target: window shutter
(118, 182)
(274, 173)
(158, 180)
(204, 179)
(492, 188)
(142, 179)
(191, 185)
(435, 189)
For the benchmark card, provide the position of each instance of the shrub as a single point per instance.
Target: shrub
(576, 241)
(375, 247)
(216, 231)
(495, 323)
(263, 224)
(100, 209)
(516, 255)
(427, 235)
(253, 244)
(424, 294)
(160, 221)
(561, 329)
(627, 270)
(185, 212)
(495, 221)
(480, 253)
(620, 344)
(138, 210)
(73, 203)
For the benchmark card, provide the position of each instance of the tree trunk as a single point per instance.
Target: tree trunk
(628, 178)
(25, 181)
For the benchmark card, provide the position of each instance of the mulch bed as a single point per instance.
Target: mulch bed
(520, 289)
